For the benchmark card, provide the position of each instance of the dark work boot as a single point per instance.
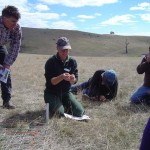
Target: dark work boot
(146, 100)
(7, 105)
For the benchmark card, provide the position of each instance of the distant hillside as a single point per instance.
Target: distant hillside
(43, 41)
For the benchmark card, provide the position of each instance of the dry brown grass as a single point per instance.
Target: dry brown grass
(114, 125)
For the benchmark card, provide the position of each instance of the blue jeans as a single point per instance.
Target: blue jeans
(84, 87)
(140, 94)
(5, 87)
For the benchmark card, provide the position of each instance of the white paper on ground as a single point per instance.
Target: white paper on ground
(84, 117)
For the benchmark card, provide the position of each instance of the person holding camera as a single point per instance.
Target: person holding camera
(142, 94)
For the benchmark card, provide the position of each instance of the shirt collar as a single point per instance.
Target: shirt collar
(57, 56)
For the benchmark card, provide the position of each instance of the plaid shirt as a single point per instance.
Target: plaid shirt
(13, 38)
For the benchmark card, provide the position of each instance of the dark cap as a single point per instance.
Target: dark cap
(110, 77)
(63, 43)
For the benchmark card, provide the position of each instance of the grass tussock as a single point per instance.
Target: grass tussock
(114, 125)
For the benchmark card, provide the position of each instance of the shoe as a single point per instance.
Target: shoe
(85, 96)
(7, 105)
(146, 100)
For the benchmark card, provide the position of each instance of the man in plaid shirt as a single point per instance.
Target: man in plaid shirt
(10, 32)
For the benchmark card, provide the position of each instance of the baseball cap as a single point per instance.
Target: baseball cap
(110, 77)
(63, 43)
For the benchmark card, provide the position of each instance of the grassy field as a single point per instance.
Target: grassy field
(115, 125)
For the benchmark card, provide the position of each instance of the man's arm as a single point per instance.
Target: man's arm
(56, 80)
(74, 73)
(65, 76)
(143, 66)
(14, 47)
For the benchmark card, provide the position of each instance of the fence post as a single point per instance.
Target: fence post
(47, 112)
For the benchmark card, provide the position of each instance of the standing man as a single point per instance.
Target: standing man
(142, 94)
(10, 32)
(60, 73)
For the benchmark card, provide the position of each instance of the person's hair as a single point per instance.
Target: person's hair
(11, 11)
(95, 83)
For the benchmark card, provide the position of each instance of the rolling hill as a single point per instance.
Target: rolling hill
(43, 41)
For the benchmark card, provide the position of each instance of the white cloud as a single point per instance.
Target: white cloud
(98, 14)
(38, 20)
(31, 15)
(85, 16)
(34, 22)
(119, 20)
(141, 6)
(79, 3)
(13, 2)
(68, 25)
(22, 5)
(44, 16)
(134, 33)
(41, 7)
(63, 14)
(81, 20)
(145, 17)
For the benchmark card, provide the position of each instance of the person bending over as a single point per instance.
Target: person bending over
(101, 86)
(10, 33)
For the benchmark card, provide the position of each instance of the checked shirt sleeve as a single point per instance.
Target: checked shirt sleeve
(14, 46)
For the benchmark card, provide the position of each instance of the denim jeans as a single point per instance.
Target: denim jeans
(139, 94)
(5, 87)
(84, 87)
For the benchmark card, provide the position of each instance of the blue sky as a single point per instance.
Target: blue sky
(123, 17)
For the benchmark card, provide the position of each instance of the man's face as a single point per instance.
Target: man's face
(9, 22)
(63, 54)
